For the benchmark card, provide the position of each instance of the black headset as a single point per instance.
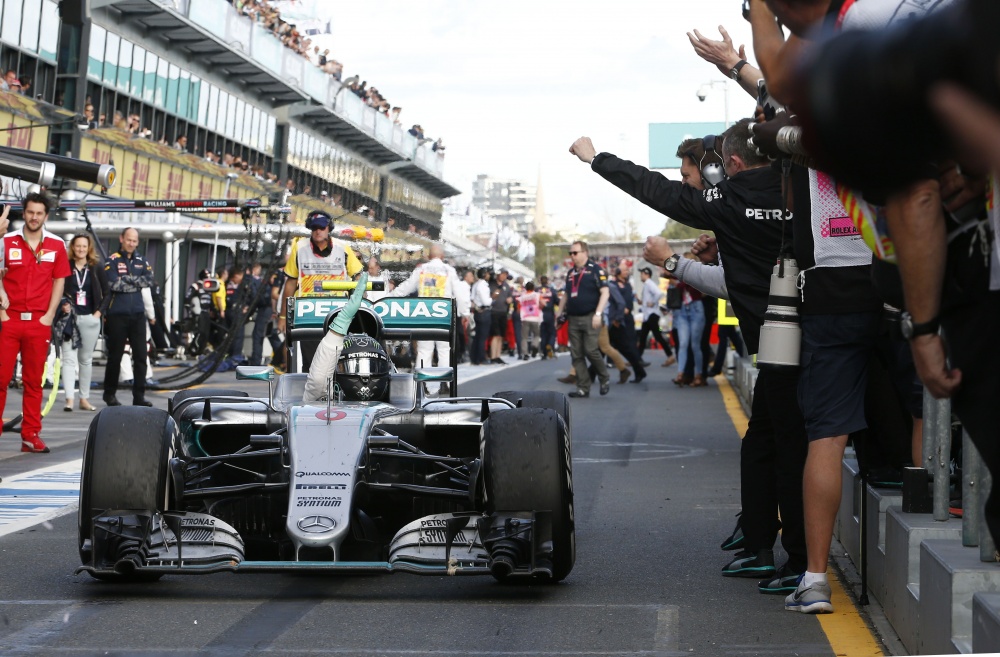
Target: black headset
(712, 173)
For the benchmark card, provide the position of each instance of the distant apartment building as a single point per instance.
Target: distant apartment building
(513, 204)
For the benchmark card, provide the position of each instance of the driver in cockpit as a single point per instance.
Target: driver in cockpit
(361, 364)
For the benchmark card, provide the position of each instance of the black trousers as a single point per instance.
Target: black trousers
(118, 329)
(772, 457)
(652, 325)
(479, 354)
(727, 333)
(969, 330)
(203, 327)
(548, 332)
(623, 339)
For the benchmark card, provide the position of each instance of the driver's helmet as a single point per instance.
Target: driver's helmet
(363, 369)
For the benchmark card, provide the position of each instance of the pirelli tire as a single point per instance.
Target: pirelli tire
(527, 466)
(125, 466)
(539, 399)
(175, 401)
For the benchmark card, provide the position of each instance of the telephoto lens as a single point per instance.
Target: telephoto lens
(781, 334)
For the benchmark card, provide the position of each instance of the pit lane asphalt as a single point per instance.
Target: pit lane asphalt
(656, 484)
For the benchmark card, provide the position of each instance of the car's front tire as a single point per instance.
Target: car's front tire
(124, 467)
(527, 467)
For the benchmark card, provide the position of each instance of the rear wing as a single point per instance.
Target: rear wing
(403, 318)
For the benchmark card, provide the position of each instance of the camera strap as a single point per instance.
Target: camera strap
(786, 189)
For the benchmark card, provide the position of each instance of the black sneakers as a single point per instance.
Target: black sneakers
(576, 394)
(750, 564)
(735, 540)
(784, 581)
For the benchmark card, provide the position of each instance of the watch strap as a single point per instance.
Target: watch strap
(734, 72)
(923, 328)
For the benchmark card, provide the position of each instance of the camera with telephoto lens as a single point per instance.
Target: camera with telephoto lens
(781, 334)
(864, 95)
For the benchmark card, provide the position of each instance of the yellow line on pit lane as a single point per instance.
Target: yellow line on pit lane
(845, 629)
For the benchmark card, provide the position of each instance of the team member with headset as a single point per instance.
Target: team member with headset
(745, 211)
(311, 262)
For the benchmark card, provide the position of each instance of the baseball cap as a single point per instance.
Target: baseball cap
(319, 220)
(646, 270)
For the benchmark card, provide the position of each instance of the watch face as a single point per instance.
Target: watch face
(906, 327)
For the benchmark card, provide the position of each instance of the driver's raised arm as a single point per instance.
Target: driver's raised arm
(324, 362)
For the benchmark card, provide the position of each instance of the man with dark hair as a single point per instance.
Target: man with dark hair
(583, 304)
(745, 211)
(126, 305)
(32, 289)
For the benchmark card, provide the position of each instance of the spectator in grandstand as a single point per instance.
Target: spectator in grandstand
(88, 114)
(394, 114)
(417, 131)
(438, 147)
(181, 143)
(9, 77)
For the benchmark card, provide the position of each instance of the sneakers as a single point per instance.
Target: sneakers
(750, 564)
(606, 387)
(814, 599)
(577, 394)
(784, 581)
(735, 540)
(33, 445)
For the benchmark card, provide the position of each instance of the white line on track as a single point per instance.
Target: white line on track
(37, 496)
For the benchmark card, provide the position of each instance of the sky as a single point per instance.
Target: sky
(510, 85)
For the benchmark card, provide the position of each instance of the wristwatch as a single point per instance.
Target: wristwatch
(734, 72)
(670, 264)
(911, 329)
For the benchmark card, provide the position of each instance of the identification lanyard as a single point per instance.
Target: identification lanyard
(37, 253)
(81, 280)
(575, 281)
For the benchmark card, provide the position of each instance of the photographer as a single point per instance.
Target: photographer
(841, 312)
(945, 282)
(745, 212)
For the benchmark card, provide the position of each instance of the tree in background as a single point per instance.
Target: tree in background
(678, 231)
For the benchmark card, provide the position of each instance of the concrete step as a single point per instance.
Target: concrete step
(986, 622)
(846, 528)
(878, 502)
(904, 533)
(950, 575)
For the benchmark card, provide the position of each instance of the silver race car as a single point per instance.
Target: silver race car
(426, 485)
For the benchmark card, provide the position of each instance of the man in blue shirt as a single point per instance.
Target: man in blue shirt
(583, 303)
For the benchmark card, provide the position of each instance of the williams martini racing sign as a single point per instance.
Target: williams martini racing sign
(401, 313)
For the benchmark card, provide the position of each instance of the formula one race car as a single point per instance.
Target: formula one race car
(432, 486)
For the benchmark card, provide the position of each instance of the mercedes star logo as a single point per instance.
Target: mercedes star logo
(317, 524)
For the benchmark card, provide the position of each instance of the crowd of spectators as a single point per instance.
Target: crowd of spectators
(11, 82)
(262, 11)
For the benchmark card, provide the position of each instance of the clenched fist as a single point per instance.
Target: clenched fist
(583, 148)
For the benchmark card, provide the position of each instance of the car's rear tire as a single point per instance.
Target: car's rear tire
(174, 401)
(124, 467)
(527, 467)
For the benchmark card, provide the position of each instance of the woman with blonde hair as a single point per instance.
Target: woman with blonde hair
(84, 292)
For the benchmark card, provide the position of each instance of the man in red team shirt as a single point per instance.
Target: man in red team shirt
(32, 288)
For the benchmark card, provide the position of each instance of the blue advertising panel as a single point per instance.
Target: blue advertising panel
(664, 138)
